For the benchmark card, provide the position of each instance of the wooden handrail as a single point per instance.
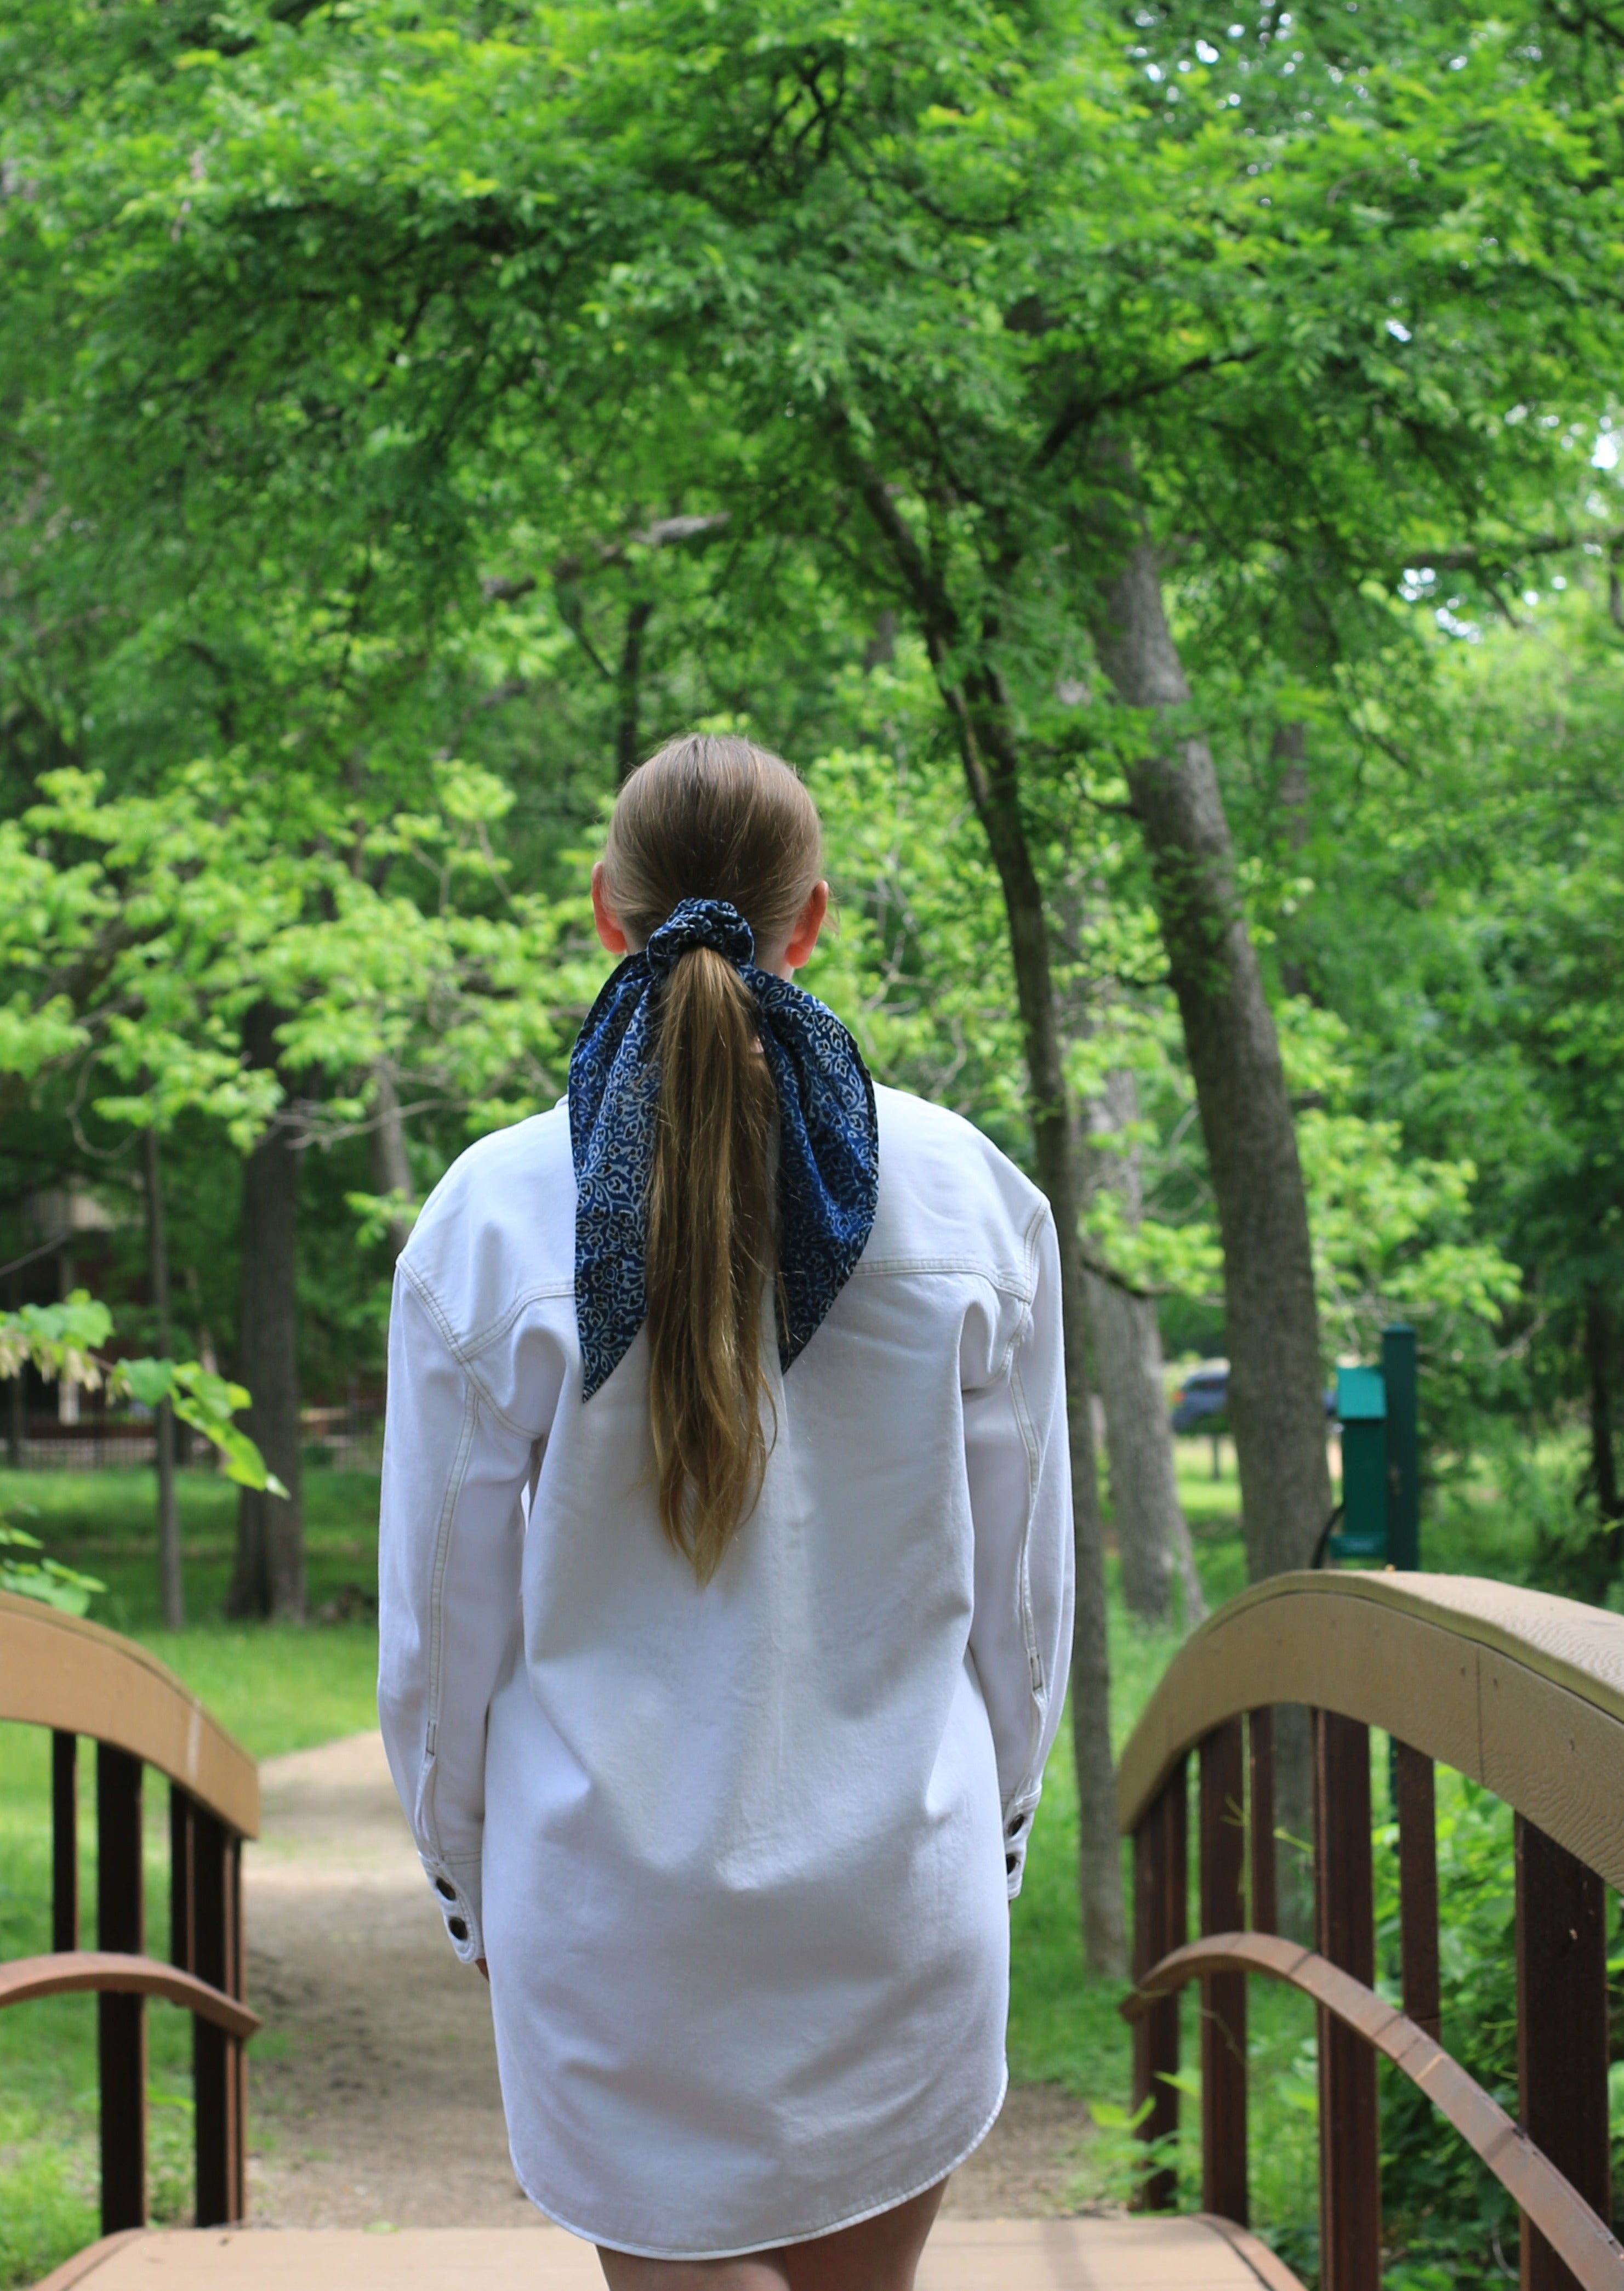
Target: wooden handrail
(1562, 2216)
(106, 1972)
(1520, 1689)
(60, 1671)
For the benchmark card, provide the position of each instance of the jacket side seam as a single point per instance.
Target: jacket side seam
(1029, 1782)
(1034, 1660)
(437, 1605)
(1028, 1296)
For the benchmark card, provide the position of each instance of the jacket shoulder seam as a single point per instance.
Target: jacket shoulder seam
(468, 1348)
(466, 1352)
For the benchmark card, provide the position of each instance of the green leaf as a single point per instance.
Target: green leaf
(149, 1381)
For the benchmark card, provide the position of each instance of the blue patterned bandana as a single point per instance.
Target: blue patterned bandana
(828, 1151)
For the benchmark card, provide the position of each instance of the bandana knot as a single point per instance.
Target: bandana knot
(700, 923)
(828, 1183)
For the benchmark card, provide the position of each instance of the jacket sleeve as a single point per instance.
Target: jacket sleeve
(1019, 1468)
(451, 1538)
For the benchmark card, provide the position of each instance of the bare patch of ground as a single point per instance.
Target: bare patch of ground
(1024, 2167)
(374, 2095)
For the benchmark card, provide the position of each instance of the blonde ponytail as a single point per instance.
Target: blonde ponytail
(710, 818)
(710, 1258)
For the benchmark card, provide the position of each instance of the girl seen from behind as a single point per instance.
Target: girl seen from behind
(725, 1590)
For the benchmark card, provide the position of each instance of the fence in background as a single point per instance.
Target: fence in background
(350, 1437)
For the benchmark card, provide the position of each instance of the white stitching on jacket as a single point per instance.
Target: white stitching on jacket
(1029, 1440)
(425, 1825)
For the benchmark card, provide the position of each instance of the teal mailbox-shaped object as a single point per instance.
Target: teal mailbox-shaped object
(1362, 1411)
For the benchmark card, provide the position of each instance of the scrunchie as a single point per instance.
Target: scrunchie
(828, 1150)
(700, 923)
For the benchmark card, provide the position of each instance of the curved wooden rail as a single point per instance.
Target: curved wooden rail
(1522, 1690)
(1561, 2215)
(73, 1972)
(58, 1671)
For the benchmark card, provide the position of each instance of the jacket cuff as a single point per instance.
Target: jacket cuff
(1017, 1831)
(456, 1894)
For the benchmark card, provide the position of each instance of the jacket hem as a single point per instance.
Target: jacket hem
(612, 2242)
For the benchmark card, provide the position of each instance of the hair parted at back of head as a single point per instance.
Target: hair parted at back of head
(710, 818)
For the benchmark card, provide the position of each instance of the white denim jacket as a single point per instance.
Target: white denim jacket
(738, 1855)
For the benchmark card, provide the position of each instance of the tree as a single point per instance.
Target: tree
(1073, 355)
(171, 1587)
(1151, 1531)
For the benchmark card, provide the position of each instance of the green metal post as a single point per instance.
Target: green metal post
(1361, 1409)
(1404, 1447)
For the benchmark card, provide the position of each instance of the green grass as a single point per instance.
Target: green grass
(281, 1688)
(48, 2168)
(105, 1523)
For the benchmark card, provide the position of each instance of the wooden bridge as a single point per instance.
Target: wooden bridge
(1520, 1691)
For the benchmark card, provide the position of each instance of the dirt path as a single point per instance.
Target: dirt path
(374, 2092)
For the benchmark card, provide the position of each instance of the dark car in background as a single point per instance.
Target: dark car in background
(1201, 1398)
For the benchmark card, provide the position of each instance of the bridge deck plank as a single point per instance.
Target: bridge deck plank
(1104, 2254)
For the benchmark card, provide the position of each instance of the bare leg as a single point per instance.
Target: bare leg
(761, 2271)
(880, 2255)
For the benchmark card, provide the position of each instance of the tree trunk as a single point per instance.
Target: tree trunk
(1058, 1158)
(1603, 1463)
(269, 1578)
(391, 1172)
(979, 712)
(629, 690)
(1151, 1532)
(1276, 1410)
(16, 1395)
(171, 1586)
(1289, 753)
(1270, 1319)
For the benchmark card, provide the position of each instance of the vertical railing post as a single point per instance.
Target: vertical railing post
(121, 2019)
(1350, 2159)
(1418, 1888)
(1562, 2032)
(219, 2066)
(1223, 2028)
(182, 1879)
(1260, 1753)
(1162, 1881)
(64, 1841)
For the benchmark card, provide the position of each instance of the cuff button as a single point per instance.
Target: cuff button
(457, 1927)
(443, 1887)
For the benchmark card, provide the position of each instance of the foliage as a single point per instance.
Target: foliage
(415, 411)
(61, 1587)
(1446, 2213)
(64, 1340)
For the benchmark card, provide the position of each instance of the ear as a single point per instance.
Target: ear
(808, 922)
(603, 915)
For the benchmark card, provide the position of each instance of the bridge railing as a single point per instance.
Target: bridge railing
(82, 1681)
(1522, 1692)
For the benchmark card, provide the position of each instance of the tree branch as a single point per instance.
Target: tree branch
(659, 532)
(1499, 556)
(1081, 411)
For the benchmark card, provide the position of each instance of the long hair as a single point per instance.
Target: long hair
(719, 819)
